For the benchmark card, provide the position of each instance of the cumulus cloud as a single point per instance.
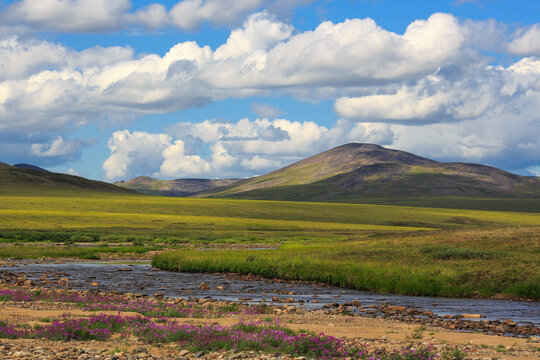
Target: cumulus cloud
(527, 43)
(257, 163)
(67, 15)
(68, 87)
(225, 149)
(97, 16)
(58, 147)
(40, 148)
(449, 94)
(189, 14)
(433, 75)
(134, 153)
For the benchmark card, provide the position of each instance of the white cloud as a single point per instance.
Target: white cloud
(134, 153)
(259, 32)
(152, 16)
(98, 16)
(58, 147)
(535, 170)
(177, 163)
(190, 14)
(67, 15)
(266, 111)
(257, 163)
(72, 171)
(224, 149)
(528, 42)
(449, 94)
(262, 57)
(354, 53)
(433, 74)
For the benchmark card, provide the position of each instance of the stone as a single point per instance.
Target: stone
(291, 308)
(183, 352)
(20, 354)
(204, 286)
(141, 350)
(471, 316)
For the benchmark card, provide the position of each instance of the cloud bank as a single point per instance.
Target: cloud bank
(100, 16)
(429, 90)
(226, 149)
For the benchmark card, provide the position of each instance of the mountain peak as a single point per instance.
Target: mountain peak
(358, 168)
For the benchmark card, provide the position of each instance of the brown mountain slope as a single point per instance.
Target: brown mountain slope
(19, 181)
(330, 163)
(355, 172)
(178, 187)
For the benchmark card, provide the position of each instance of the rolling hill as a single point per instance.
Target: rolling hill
(177, 187)
(27, 179)
(372, 173)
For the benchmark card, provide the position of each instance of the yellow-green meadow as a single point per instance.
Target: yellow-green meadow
(407, 250)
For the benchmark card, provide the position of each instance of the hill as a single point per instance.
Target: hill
(29, 166)
(27, 179)
(372, 173)
(177, 187)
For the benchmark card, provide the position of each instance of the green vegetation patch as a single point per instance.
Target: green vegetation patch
(90, 253)
(407, 264)
(448, 253)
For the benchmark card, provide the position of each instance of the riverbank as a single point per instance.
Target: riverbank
(383, 337)
(497, 262)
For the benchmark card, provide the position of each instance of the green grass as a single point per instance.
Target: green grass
(393, 264)
(395, 249)
(35, 252)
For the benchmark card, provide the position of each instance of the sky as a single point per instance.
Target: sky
(113, 89)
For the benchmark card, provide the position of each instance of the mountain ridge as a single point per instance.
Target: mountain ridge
(175, 187)
(367, 170)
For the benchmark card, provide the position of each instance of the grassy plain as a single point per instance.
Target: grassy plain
(407, 250)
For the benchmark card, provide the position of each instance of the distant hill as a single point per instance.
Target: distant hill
(29, 179)
(372, 173)
(178, 187)
(30, 167)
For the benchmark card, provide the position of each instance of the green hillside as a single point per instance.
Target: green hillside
(24, 181)
(365, 173)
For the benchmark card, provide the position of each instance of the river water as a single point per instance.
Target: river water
(141, 279)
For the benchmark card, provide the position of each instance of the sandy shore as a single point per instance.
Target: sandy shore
(373, 332)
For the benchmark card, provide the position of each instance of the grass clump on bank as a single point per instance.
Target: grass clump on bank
(89, 253)
(448, 253)
(455, 264)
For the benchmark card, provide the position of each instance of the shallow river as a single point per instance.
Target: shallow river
(141, 280)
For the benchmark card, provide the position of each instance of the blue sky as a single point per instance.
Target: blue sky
(112, 89)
